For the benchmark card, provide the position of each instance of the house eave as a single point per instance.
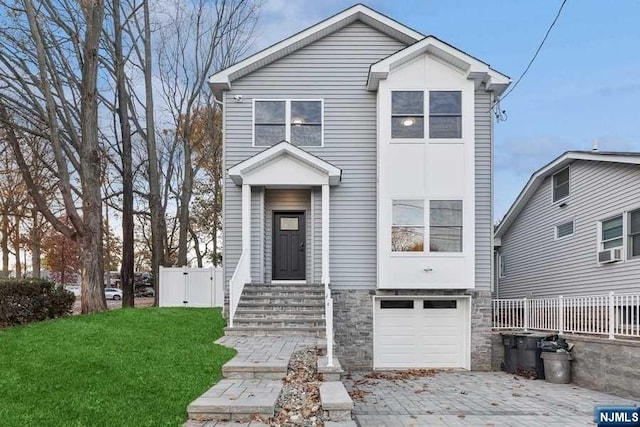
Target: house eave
(474, 69)
(554, 166)
(222, 80)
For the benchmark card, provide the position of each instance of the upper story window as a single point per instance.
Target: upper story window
(407, 114)
(560, 184)
(445, 114)
(612, 233)
(445, 226)
(296, 121)
(634, 234)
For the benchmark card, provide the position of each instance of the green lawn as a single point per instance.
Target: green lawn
(129, 367)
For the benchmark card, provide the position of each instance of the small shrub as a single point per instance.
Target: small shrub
(31, 300)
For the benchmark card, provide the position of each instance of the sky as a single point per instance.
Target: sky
(583, 86)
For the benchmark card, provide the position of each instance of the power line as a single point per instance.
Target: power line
(511, 89)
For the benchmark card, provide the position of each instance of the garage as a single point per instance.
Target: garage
(412, 332)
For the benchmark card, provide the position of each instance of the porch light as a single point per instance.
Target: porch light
(409, 121)
(297, 121)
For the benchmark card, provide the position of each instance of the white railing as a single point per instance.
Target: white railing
(328, 322)
(236, 285)
(611, 314)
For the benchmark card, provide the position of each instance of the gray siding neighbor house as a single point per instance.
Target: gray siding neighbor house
(574, 229)
(359, 164)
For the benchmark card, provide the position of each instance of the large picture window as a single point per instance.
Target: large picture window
(407, 230)
(445, 114)
(445, 226)
(407, 114)
(296, 121)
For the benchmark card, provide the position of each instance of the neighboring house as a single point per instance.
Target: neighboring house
(574, 229)
(359, 154)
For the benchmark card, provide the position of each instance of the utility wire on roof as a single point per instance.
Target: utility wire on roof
(502, 114)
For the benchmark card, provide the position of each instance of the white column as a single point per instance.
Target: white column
(246, 227)
(325, 233)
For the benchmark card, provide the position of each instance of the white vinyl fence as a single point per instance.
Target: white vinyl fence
(191, 287)
(611, 314)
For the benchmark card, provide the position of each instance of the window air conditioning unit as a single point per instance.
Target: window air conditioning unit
(610, 255)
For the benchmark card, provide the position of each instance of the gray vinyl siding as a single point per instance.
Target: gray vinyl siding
(483, 189)
(538, 264)
(335, 69)
(286, 200)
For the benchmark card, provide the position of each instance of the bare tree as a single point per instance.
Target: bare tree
(201, 37)
(49, 61)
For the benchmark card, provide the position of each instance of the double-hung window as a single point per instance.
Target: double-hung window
(560, 184)
(445, 114)
(634, 234)
(612, 233)
(296, 121)
(407, 114)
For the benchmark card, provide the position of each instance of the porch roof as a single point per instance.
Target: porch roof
(285, 164)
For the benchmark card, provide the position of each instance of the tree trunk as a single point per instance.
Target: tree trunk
(16, 248)
(93, 298)
(4, 243)
(36, 246)
(185, 198)
(155, 202)
(126, 269)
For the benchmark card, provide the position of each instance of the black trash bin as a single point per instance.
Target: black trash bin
(529, 353)
(510, 353)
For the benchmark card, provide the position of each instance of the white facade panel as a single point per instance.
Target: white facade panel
(427, 169)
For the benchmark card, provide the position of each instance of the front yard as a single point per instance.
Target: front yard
(130, 367)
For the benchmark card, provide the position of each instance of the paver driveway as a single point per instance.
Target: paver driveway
(454, 398)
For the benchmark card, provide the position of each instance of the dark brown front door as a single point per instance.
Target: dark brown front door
(289, 260)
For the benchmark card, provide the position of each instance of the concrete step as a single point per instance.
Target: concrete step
(237, 400)
(268, 300)
(278, 322)
(282, 288)
(336, 402)
(329, 373)
(283, 306)
(273, 369)
(284, 294)
(280, 314)
(271, 331)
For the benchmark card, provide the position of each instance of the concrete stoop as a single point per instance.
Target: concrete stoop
(237, 400)
(336, 402)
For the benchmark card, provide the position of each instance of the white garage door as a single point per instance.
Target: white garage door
(421, 333)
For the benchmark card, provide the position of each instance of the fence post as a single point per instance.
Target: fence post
(612, 312)
(560, 314)
(526, 314)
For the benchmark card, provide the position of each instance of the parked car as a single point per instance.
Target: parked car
(144, 291)
(113, 293)
(75, 289)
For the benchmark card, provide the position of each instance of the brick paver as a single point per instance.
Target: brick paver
(454, 398)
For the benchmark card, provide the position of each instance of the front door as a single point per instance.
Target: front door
(289, 260)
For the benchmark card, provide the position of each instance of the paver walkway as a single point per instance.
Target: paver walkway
(472, 399)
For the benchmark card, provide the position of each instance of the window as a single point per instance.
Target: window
(634, 234)
(270, 123)
(438, 304)
(407, 230)
(445, 114)
(396, 303)
(561, 185)
(611, 236)
(564, 230)
(445, 226)
(502, 266)
(296, 121)
(407, 114)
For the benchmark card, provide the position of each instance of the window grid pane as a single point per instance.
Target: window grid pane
(306, 135)
(407, 103)
(561, 185)
(407, 127)
(447, 103)
(407, 239)
(306, 112)
(408, 212)
(445, 226)
(270, 112)
(612, 228)
(267, 135)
